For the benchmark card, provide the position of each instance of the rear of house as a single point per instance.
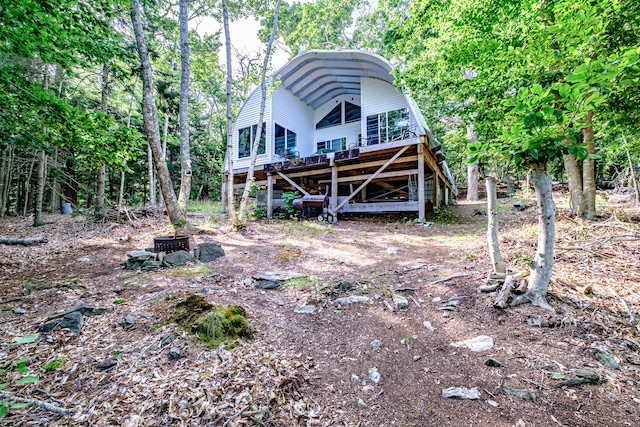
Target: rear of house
(336, 125)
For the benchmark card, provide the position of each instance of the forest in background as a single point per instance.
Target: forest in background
(504, 85)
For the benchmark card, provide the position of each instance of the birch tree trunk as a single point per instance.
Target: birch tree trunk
(542, 264)
(574, 175)
(473, 169)
(227, 44)
(589, 172)
(5, 178)
(152, 178)
(242, 213)
(99, 208)
(185, 155)
(150, 115)
(634, 179)
(492, 228)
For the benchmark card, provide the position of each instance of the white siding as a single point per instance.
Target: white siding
(293, 114)
(351, 131)
(248, 116)
(379, 97)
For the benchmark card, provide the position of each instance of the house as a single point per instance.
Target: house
(336, 125)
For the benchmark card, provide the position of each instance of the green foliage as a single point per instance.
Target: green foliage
(287, 210)
(54, 364)
(25, 339)
(118, 301)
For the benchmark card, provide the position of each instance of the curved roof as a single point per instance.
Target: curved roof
(317, 76)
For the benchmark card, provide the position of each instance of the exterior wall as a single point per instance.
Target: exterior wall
(295, 115)
(248, 116)
(379, 97)
(351, 131)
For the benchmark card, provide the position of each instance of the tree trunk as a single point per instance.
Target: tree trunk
(574, 176)
(242, 214)
(492, 229)
(589, 172)
(542, 264)
(152, 178)
(102, 176)
(185, 155)
(511, 186)
(473, 169)
(42, 164)
(229, 157)
(165, 137)
(150, 115)
(5, 178)
(634, 179)
(54, 200)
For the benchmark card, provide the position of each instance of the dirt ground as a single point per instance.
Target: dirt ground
(313, 368)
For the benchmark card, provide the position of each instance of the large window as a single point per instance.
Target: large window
(285, 142)
(246, 137)
(339, 115)
(389, 126)
(337, 144)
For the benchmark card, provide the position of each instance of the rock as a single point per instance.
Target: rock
(84, 308)
(344, 286)
(209, 251)
(128, 321)
(351, 299)
(520, 392)
(141, 255)
(107, 364)
(204, 290)
(479, 343)
(534, 321)
(394, 250)
(174, 353)
(586, 374)
(354, 378)
(368, 387)
(461, 393)
(146, 315)
(72, 321)
(416, 266)
(492, 363)
(167, 340)
(376, 345)
(49, 326)
(305, 309)
(177, 258)
(273, 279)
(416, 358)
(374, 375)
(436, 299)
(605, 358)
(19, 311)
(361, 403)
(400, 302)
(83, 259)
(428, 325)
(573, 382)
(248, 281)
(434, 267)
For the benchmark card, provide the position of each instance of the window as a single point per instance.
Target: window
(337, 144)
(335, 116)
(246, 137)
(285, 142)
(389, 126)
(351, 112)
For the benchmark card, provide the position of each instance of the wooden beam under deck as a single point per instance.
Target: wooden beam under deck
(381, 175)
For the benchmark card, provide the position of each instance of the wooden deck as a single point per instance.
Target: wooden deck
(383, 178)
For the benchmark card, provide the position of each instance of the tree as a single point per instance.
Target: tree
(151, 127)
(256, 143)
(185, 74)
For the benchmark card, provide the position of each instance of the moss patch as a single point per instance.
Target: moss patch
(212, 324)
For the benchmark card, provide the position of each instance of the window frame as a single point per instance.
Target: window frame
(246, 151)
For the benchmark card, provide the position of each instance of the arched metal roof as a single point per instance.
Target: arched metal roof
(317, 76)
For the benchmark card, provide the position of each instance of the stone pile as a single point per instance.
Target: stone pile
(148, 259)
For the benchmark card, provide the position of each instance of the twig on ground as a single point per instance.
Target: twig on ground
(40, 404)
(446, 279)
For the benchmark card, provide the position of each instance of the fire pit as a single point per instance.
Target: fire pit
(169, 244)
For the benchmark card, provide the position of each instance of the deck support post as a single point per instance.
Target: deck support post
(421, 205)
(269, 195)
(436, 192)
(446, 196)
(334, 185)
(223, 198)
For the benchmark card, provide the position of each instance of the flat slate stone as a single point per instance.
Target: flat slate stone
(351, 299)
(177, 258)
(273, 279)
(107, 364)
(400, 302)
(72, 321)
(209, 251)
(141, 255)
(525, 394)
(461, 393)
(305, 309)
(479, 343)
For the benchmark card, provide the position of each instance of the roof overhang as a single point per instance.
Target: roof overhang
(317, 76)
